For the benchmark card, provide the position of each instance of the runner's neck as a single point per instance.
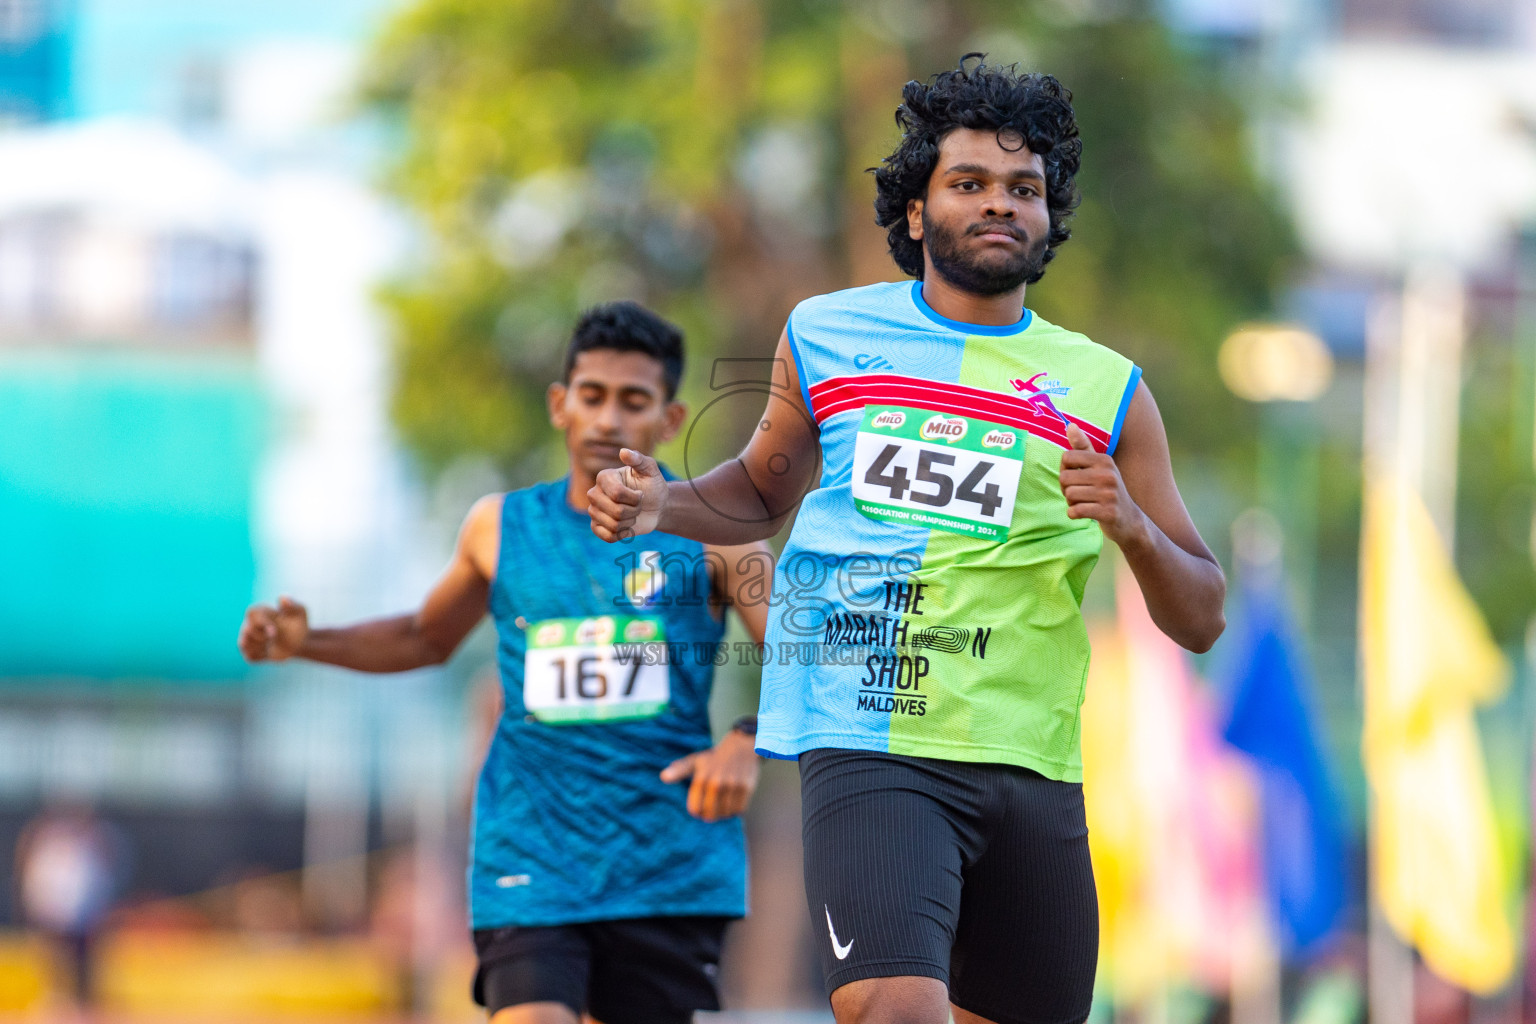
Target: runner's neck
(969, 308)
(576, 489)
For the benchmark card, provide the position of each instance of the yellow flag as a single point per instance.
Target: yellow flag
(1428, 658)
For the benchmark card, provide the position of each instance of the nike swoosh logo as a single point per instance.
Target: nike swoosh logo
(838, 948)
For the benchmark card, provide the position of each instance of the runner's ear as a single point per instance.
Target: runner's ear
(675, 416)
(555, 397)
(915, 219)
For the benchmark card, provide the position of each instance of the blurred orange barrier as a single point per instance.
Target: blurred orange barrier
(165, 976)
(26, 973)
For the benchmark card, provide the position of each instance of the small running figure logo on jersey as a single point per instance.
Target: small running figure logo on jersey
(837, 947)
(1040, 393)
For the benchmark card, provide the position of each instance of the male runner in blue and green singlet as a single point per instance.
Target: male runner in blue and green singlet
(597, 884)
(956, 463)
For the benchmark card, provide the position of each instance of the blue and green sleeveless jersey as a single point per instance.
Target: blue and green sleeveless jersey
(571, 822)
(928, 599)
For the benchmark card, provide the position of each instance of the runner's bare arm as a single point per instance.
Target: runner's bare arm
(745, 582)
(1135, 499)
(428, 636)
(743, 500)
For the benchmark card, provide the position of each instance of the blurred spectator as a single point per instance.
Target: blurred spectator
(69, 865)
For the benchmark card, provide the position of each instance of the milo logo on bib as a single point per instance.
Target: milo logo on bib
(1000, 439)
(640, 630)
(935, 470)
(595, 631)
(943, 428)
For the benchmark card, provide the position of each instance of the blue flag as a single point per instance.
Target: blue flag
(1271, 720)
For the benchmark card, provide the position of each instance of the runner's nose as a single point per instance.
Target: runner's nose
(998, 203)
(608, 417)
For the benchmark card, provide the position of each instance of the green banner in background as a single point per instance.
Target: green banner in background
(126, 487)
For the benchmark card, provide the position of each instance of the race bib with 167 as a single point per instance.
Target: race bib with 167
(932, 469)
(602, 669)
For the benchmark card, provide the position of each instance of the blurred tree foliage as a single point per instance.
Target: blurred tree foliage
(1496, 492)
(708, 157)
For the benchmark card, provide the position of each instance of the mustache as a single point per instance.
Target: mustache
(999, 227)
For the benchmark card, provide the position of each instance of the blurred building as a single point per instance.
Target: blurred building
(1401, 134)
(193, 389)
(1486, 23)
(35, 52)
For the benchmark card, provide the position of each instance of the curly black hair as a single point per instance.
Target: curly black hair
(1035, 107)
(627, 326)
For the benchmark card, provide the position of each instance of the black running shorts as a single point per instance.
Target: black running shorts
(655, 970)
(975, 874)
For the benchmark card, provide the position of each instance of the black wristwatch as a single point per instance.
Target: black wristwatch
(746, 725)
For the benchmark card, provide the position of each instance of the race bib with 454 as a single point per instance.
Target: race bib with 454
(937, 470)
(602, 669)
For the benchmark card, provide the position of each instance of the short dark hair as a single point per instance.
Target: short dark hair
(985, 97)
(629, 327)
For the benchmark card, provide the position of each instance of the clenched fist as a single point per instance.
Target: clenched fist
(273, 634)
(627, 501)
(1091, 483)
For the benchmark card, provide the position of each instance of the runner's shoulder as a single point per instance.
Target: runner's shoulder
(1067, 338)
(850, 300)
(485, 511)
(1080, 349)
(482, 529)
(480, 536)
(489, 512)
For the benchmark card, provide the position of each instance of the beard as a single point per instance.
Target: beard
(979, 274)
